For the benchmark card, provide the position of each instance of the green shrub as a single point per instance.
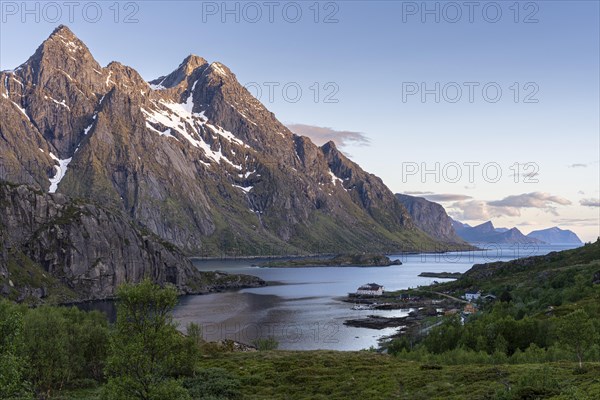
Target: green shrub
(266, 344)
(213, 383)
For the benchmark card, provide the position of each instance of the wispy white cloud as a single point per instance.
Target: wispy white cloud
(576, 221)
(534, 200)
(417, 193)
(510, 206)
(472, 210)
(583, 165)
(321, 135)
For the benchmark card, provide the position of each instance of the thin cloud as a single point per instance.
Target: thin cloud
(417, 193)
(480, 210)
(590, 202)
(321, 135)
(508, 207)
(583, 165)
(575, 221)
(447, 197)
(532, 200)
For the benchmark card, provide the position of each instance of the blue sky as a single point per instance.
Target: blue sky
(364, 58)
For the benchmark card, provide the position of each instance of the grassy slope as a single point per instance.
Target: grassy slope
(330, 375)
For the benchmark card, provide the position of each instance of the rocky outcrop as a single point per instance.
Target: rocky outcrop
(192, 156)
(430, 217)
(80, 251)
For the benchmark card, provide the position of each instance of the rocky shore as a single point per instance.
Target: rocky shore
(343, 260)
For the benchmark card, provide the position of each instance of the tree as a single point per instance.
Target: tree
(145, 347)
(13, 384)
(63, 345)
(576, 332)
(47, 347)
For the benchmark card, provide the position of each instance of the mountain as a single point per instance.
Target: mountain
(430, 217)
(67, 250)
(487, 233)
(190, 156)
(555, 235)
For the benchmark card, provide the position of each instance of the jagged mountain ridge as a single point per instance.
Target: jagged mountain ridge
(192, 156)
(487, 233)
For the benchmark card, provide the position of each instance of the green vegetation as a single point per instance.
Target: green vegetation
(516, 348)
(548, 310)
(25, 273)
(12, 363)
(445, 275)
(147, 354)
(266, 344)
(342, 260)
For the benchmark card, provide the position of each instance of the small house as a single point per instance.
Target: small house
(489, 297)
(469, 309)
(370, 289)
(472, 296)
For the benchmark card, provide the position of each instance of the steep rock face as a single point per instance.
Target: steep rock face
(430, 217)
(192, 156)
(89, 249)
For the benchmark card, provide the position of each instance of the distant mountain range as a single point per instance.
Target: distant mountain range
(556, 235)
(432, 219)
(487, 233)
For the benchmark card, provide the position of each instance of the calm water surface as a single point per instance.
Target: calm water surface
(302, 309)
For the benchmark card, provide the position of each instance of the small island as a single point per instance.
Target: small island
(342, 260)
(444, 275)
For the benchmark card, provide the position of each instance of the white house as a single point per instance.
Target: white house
(472, 296)
(370, 289)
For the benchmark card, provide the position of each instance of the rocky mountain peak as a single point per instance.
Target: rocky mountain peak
(330, 147)
(485, 227)
(191, 62)
(187, 67)
(63, 44)
(62, 30)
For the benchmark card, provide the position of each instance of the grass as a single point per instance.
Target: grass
(331, 375)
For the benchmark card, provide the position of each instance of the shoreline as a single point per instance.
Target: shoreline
(296, 256)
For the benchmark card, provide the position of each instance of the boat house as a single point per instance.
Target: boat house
(370, 289)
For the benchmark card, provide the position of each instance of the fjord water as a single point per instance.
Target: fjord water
(302, 307)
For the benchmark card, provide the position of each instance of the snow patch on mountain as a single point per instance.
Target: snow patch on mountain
(245, 189)
(218, 69)
(87, 130)
(60, 103)
(227, 135)
(22, 110)
(173, 120)
(61, 170)
(166, 133)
